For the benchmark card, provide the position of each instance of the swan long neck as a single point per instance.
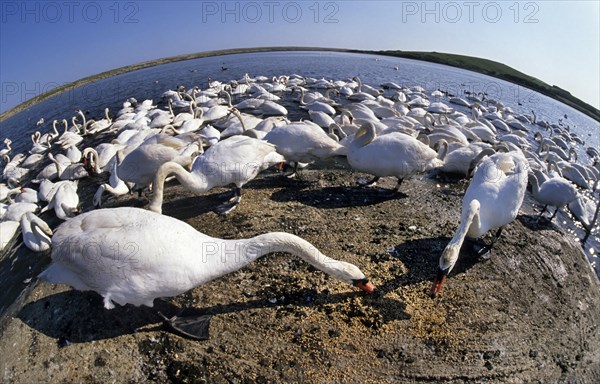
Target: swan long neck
(228, 98)
(95, 157)
(302, 102)
(42, 231)
(194, 182)
(239, 116)
(226, 256)
(84, 122)
(59, 167)
(469, 217)
(365, 135)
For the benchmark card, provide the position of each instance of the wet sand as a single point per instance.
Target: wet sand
(528, 314)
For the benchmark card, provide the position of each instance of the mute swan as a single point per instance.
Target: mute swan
(6, 151)
(65, 200)
(392, 154)
(140, 165)
(167, 258)
(36, 233)
(463, 160)
(71, 171)
(15, 211)
(492, 200)
(32, 160)
(235, 160)
(27, 195)
(322, 119)
(6, 190)
(100, 125)
(101, 157)
(304, 142)
(555, 191)
(12, 170)
(40, 146)
(219, 111)
(584, 210)
(115, 186)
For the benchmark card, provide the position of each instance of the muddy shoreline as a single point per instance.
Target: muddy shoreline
(528, 314)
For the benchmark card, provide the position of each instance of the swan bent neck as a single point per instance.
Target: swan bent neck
(197, 183)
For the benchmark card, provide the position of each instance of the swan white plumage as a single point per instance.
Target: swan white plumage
(70, 171)
(65, 200)
(235, 160)
(304, 142)
(492, 200)
(392, 154)
(37, 235)
(15, 211)
(6, 151)
(8, 229)
(555, 191)
(584, 210)
(159, 256)
(115, 186)
(140, 165)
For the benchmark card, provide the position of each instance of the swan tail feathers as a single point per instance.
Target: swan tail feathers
(57, 274)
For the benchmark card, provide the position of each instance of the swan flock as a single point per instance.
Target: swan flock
(204, 141)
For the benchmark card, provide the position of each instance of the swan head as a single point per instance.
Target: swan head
(351, 274)
(447, 261)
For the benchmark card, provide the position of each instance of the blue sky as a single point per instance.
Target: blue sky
(44, 44)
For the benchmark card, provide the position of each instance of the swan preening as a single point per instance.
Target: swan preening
(159, 256)
(492, 200)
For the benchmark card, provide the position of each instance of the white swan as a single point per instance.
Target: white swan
(235, 160)
(392, 154)
(100, 125)
(72, 171)
(304, 142)
(15, 211)
(159, 256)
(6, 151)
(584, 210)
(65, 200)
(140, 165)
(101, 157)
(6, 190)
(37, 235)
(492, 200)
(555, 191)
(115, 186)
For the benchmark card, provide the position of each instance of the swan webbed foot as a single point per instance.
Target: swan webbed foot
(483, 252)
(230, 204)
(192, 327)
(367, 183)
(226, 208)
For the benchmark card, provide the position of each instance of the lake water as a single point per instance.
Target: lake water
(17, 265)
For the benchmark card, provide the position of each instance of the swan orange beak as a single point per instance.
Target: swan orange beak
(440, 278)
(365, 285)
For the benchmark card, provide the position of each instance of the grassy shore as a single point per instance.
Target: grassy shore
(487, 67)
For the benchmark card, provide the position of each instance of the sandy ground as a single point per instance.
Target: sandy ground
(529, 314)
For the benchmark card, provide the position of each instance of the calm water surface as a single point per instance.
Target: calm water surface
(17, 265)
